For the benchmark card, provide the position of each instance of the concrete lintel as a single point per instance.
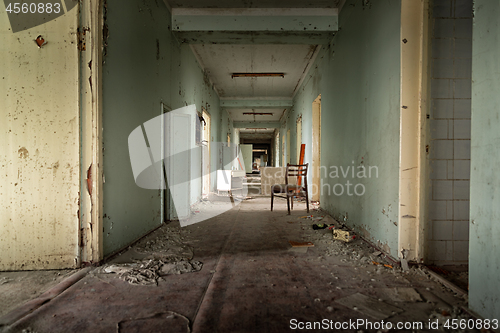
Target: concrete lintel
(247, 124)
(253, 37)
(255, 19)
(256, 104)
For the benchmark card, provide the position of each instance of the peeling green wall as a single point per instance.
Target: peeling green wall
(484, 259)
(144, 66)
(358, 77)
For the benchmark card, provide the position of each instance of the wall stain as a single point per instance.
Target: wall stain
(55, 167)
(23, 153)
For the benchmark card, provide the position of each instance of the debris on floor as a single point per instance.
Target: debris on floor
(167, 245)
(181, 267)
(343, 235)
(149, 271)
(369, 306)
(376, 263)
(163, 253)
(319, 226)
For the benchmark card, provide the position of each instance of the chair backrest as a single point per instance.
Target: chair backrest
(296, 170)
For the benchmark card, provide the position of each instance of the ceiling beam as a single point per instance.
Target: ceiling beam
(255, 25)
(274, 37)
(255, 19)
(260, 124)
(255, 104)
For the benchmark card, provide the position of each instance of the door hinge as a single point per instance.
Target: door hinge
(81, 38)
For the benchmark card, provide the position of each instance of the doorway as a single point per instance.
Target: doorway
(316, 148)
(288, 146)
(205, 154)
(299, 137)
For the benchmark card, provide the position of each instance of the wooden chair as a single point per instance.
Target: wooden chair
(292, 170)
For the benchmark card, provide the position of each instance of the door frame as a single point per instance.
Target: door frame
(205, 189)
(316, 148)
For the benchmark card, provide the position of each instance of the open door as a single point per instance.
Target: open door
(299, 137)
(206, 154)
(316, 148)
(178, 145)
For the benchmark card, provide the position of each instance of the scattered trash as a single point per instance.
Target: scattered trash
(168, 245)
(149, 271)
(301, 244)
(385, 265)
(369, 306)
(343, 235)
(376, 253)
(319, 226)
(181, 267)
(404, 265)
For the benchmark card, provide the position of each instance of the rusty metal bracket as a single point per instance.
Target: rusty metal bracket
(81, 38)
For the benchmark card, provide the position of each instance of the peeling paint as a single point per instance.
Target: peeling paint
(89, 180)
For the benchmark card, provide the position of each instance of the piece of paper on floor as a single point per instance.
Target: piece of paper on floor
(404, 265)
(369, 306)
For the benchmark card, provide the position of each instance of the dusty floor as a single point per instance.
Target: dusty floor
(251, 280)
(19, 287)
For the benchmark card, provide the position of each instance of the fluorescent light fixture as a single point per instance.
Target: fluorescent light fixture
(257, 114)
(257, 75)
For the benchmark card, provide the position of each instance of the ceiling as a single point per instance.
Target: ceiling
(220, 60)
(241, 114)
(257, 134)
(256, 3)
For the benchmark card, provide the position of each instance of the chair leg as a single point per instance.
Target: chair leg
(291, 198)
(272, 199)
(307, 201)
(288, 203)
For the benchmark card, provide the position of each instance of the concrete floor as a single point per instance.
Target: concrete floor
(252, 281)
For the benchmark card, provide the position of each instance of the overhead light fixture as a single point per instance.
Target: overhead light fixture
(257, 114)
(257, 75)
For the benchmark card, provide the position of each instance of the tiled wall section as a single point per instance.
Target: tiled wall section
(448, 231)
